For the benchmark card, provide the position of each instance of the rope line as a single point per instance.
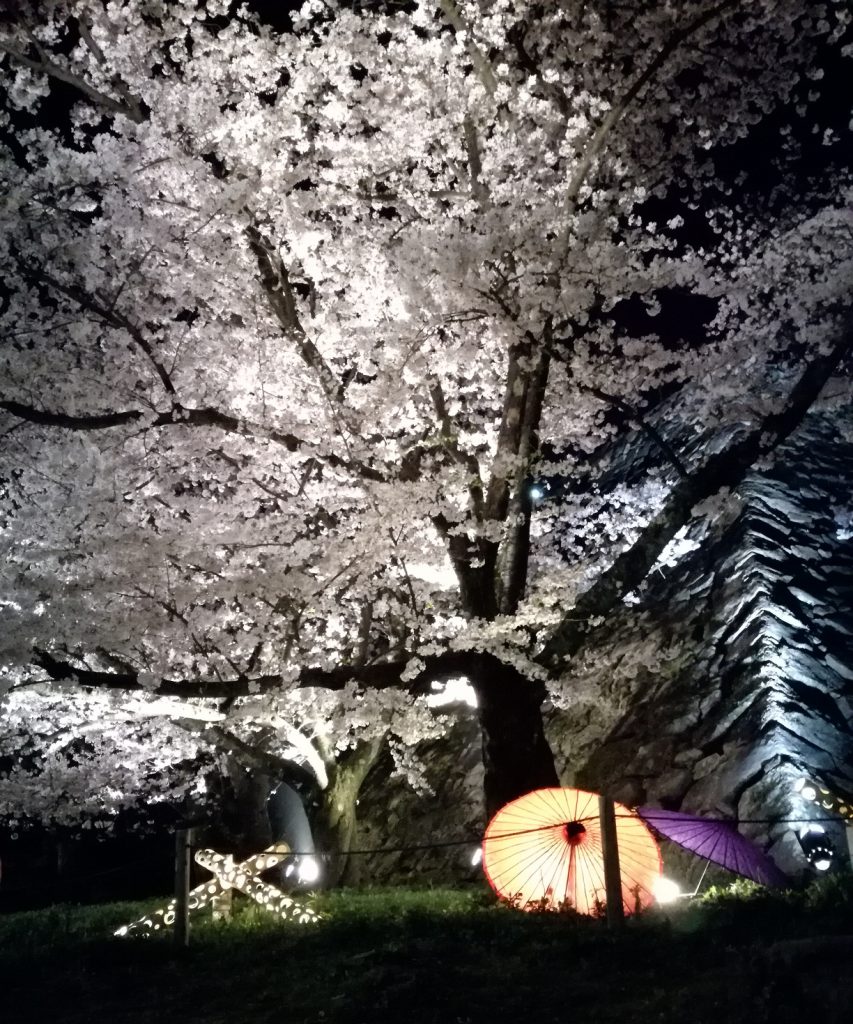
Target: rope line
(477, 840)
(417, 847)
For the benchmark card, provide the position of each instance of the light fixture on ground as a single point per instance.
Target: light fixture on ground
(666, 891)
(308, 869)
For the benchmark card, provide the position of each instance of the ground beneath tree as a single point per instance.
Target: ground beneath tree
(439, 956)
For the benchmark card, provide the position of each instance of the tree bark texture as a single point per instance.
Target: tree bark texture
(335, 820)
(516, 755)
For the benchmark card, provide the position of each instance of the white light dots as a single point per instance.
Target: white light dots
(228, 875)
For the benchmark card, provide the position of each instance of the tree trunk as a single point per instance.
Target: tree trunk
(335, 820)
(242, 826)
(516, 755)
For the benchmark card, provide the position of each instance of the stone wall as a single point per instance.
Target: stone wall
(759, 690)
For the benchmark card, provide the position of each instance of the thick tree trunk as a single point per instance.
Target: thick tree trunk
(335, 819)
(516, 755)
(242, 826)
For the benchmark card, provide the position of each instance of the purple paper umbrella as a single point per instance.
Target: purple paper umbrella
(717, 841)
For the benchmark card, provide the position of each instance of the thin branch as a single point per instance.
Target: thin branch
(596, 140)
(180, 416)
(109, 315)
(276, 283)
(410, 588)
(84, 25)
(637, 417)
(481, 62)
(131, 108)
(724, 469)
(365, 622)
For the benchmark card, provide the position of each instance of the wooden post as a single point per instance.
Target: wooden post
(610, 853)
(183, 851)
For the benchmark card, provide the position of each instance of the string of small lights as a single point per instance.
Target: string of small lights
(229, 874)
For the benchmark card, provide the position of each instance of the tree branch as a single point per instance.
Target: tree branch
(130, 108)
(466, 459)
(595, 140)
(481, 62)
(375, 677)
(474, 563)
(289, 771)
(475, 163)
(725, 469)
(633, 414)
(516, 560)
(109, 315)
(180, 416)
(276, 283)
(95, 421)
(509, 432)
(84, 24)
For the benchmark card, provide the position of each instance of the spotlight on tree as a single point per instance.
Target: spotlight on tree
(308, 870)
(817, 847)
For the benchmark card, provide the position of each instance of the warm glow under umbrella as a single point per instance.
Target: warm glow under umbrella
(545, 849)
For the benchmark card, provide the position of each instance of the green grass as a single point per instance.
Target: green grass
(448, 956)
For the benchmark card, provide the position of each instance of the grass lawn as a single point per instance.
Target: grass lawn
(448, 956)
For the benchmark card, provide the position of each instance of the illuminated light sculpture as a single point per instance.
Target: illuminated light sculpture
(816, 846)
(228, 874)
(825, 799)
(544, 850)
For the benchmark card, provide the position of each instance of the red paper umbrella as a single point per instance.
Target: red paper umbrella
(544, 849)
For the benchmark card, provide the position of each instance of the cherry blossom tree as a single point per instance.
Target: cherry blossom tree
(317, 346)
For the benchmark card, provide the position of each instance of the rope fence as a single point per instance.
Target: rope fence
(328, 855)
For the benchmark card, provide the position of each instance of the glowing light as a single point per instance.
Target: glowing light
(477, 857)
(665, 890)
(825, 798)
(454, 691)
(543, 851)
(308, 870)
(536, 493)
(818, 850)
